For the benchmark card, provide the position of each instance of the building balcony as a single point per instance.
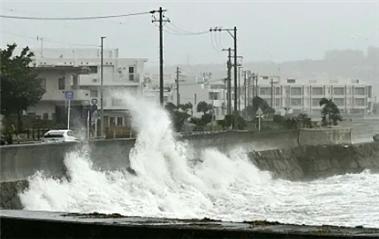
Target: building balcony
(297, 106)
(44, 62)
(94, 80)
(59, 95)
(359, 107)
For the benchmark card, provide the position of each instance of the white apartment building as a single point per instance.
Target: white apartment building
(78, 70)
(56, 81)
(353, 97)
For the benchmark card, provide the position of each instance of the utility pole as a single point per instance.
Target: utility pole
(256, 85)
(41, 39)
(235, 68)
(229, 82)
(194, 100)
(101, 88)
(233, 33)
(272, 92)
(177, 87)
(239, 87)
(245, 89)
(253, 85)
(249, 88)
(160, 20)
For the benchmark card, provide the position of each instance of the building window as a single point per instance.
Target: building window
(359, 91)
(213, 95)
(277, 91)
(359, 102)
(277, 103)
(74, 82)
(338, 91)
(265, 91)
(131, 73)
(94, 93)
(317, 91)
(316, 102)
(296, 91)
(45, 116)
(119, 121)
(339, 102)
(61, 83)
(112, 121)
(295, 102)
(92, 69)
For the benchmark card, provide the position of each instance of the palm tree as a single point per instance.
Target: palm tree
(330, 112)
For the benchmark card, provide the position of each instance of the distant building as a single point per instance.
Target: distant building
(78, 70)
(353, 97)
(213, 93)
(151, 87)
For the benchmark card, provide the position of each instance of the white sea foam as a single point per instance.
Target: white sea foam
(219, 186)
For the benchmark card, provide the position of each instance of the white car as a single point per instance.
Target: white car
(59, 135)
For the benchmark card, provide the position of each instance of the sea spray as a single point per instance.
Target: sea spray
(220, 186)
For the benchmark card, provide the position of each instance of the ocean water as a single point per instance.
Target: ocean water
(224, 186)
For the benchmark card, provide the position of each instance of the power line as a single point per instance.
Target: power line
(175, 32)
(48, 39)
(73, 18)
(181, 31)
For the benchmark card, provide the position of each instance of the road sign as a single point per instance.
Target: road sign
(69, 95)
(259, 112)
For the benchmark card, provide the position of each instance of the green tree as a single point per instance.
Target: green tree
(20, 87)
(178, 117)
(170, 107)
(330, 113)
(185, 107)
(257, 103)
(204, 107)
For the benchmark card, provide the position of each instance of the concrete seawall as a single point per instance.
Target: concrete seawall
(18, 162)
(311, 162)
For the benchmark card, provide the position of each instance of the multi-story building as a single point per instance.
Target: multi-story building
(56, 80)
(78, 70)
(352, 97)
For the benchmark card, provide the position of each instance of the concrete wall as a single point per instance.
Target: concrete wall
(310, 162)
(333, 135)
(18, 162)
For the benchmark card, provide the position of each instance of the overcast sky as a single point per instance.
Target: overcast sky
(267, 30)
